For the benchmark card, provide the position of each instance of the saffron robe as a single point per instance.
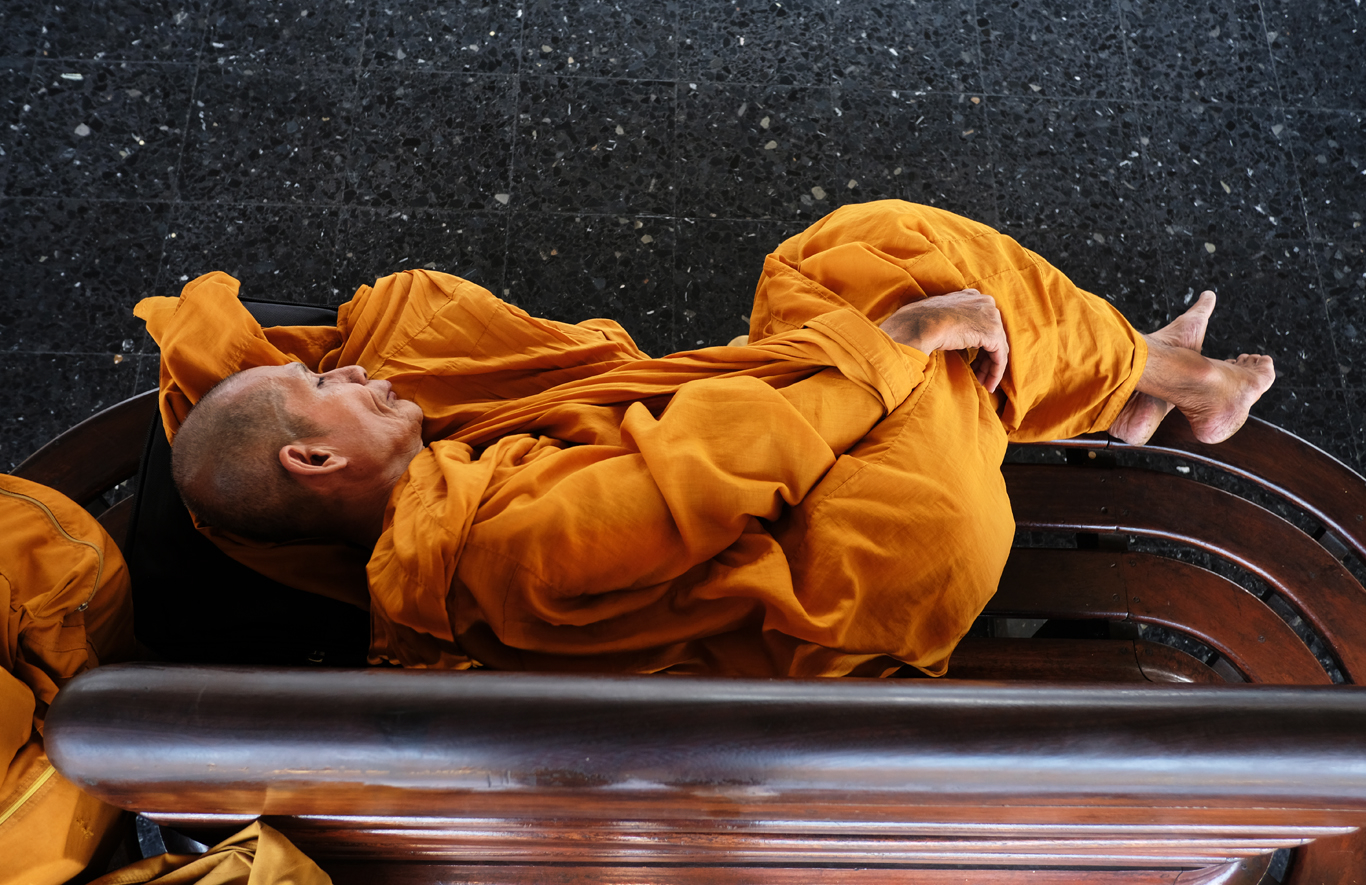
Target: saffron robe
(821, 501)
(65, 606)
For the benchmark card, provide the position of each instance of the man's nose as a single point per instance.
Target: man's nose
(351, 374)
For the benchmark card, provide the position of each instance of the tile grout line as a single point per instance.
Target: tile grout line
(1314, 254)
(173, 212)
(1150, 180)
(514, 127)
(343, 209)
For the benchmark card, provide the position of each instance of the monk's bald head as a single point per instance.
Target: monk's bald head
(226, 465)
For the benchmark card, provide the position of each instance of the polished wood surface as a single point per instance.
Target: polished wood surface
(1159, 505)
(1149, 589)
(1076, 660)
(1245, 872)
(300, 735)
(1340, 860)
(1272, 458)
(96, 454)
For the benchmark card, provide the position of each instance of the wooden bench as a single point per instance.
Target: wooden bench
(1084, 771)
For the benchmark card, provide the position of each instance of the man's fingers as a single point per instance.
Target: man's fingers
(990, 368)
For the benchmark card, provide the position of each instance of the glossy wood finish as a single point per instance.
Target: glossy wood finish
(1142, 502)
(1076, 660)
(1245, 872)
(759, 842)
(1336, 859)
(1148, 589)
(96, 454)
(1274, 459)
(518, 768)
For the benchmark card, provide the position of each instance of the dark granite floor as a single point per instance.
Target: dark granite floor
(637, 158)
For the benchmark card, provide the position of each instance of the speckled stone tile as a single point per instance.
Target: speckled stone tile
(455, 35)
(1330, 150)
(1214, 51)
(286, 33)
(104, 130)
(14, 82)
(21, 28)
(372, 244)
(746, 151)
(1126, 269)
(133, 30)
(48, 393)
(263, 135)
(756, 41)
(1269, 301)
(571, 269)
(431, 140)
(923, 148)
(717, 266)
(1071, 164)
(281, 253)
(1343, 267)
(594, 145)
(1217, 169)
(601, 38)
(1072, 50)
(1328, 419)
(1318, 46)
(73, 271)
(895, 45)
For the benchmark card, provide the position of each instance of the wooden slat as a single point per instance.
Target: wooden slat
(1074, 660)
(1274, 459)
(1245, 872)
(1148, 589)
(1162, 663)
(95, 455)
(1159, 505)
(116, 520)
(682, 842)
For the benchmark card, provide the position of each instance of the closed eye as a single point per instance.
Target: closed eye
(320, 382)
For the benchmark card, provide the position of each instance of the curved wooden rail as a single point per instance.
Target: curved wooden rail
(95, 455)
(1159, 505)
(616, 749)
(1272, 458)
(1148, 589)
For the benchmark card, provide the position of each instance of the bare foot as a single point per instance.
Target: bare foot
(1188, 330)
(1143, 413)
(1217, 412)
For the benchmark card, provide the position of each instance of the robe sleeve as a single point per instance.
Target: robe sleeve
(206, 335)
(595, 532)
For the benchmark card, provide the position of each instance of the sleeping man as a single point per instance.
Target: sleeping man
(825, 499)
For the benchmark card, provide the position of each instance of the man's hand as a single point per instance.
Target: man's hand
(956, 321)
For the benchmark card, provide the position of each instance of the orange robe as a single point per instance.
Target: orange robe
(65, 607)
(819, 502)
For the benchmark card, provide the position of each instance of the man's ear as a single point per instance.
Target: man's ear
(305, 460)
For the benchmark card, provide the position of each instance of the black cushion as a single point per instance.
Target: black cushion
(195, 604)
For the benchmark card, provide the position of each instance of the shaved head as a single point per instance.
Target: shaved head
(226, 465)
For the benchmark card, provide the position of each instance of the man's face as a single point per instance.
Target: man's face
(364, 419)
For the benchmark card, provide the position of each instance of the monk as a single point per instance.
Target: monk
(825, 499)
